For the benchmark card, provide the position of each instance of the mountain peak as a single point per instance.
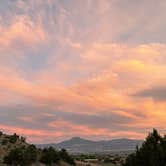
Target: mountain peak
(76, 138)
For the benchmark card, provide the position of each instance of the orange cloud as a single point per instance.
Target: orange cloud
(23, 30)
(112, 73)
(32, 134)
(71, 70)
(109, 91)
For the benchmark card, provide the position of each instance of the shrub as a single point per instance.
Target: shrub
(49, 156)
(22, 156)
(30, 154)
(13, 138)
(4, 141)
(15, 157)
(23, 139)
(66, 157)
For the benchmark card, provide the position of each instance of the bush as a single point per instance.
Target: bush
(22, 156)
(66, 157)
(23, 139)
(30, 154)
(13, 138)
(15, 157)
(4, 141)
(49, 156)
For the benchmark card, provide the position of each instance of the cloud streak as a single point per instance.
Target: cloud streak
(96, 66)
(157, 93)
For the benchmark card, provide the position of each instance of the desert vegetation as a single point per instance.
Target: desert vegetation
(14, 151)
(151, 153)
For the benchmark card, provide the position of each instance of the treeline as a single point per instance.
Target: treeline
(22, 154)
(151, 153)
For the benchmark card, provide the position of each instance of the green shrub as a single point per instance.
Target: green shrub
(13, 138)
(15, 157)
(49, 156)
(22, 156)
(66, 157)
(4, 141)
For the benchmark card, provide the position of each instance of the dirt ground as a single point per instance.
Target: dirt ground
(79, 163)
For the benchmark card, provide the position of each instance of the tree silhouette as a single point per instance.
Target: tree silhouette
(151, 153)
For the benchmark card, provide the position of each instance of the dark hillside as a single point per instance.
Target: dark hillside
(14, 150)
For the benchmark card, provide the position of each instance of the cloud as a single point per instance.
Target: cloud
(101, 102)
(80, 68)
(157, 93)
(51, 126)
(37, 134)
(22, 30)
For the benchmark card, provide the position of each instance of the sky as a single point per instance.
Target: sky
(89, 68)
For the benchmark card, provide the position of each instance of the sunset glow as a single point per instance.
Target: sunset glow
(89, 68)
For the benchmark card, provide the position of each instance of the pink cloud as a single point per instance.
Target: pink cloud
(31, 134)
(83, 71)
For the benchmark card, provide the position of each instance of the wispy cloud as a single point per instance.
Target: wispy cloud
(78, 64)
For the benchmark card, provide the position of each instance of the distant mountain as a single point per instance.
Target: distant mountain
(79, 145)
